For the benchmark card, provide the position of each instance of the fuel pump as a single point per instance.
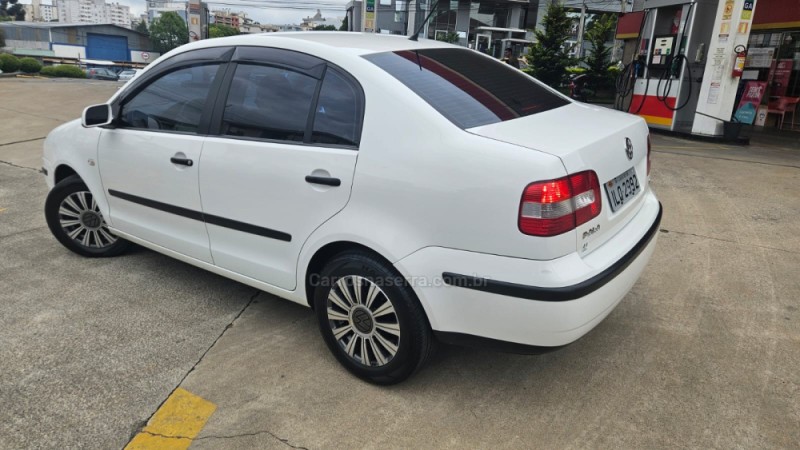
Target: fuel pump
(660, 78)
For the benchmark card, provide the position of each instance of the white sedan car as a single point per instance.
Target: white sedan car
(408, 192)
(128, 74)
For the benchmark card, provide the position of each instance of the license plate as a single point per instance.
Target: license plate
(622, 189)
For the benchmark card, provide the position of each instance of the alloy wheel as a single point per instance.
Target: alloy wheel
(80, 218)
(363, 320)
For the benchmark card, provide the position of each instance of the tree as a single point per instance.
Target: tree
(168, 31)
(451, 37)
(141, 27)
(216, 30)
(15, 11)
(550, 55)
(345, 25)
(599, 58)
(324, 28)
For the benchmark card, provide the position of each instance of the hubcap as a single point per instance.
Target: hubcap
(363, 320)
(80, 218)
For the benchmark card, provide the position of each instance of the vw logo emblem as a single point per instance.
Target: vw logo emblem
(629, 148)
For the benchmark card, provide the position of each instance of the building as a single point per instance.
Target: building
(228, 18)
(38, 12)
(483, 25)
(157, 7)
(93, 11)
(311, 22)
(77, 42)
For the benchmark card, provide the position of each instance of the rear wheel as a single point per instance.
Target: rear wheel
(75, 220)
(371, 320)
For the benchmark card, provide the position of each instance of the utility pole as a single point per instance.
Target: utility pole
(580, 30)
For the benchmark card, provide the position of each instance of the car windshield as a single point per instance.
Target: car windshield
(466, 87)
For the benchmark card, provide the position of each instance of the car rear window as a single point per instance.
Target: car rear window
(466, 87)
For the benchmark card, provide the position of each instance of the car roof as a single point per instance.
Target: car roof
(350, 42)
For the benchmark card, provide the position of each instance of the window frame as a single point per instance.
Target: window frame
(318, 72)
(195, 58)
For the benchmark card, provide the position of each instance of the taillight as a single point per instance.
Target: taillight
(552, 207)
(649, 146)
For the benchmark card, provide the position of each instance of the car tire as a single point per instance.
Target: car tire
(76, 222)
(364, 307)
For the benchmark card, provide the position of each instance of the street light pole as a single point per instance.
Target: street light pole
(580, 30)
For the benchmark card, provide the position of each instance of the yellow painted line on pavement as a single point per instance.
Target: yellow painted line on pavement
(176, 423)
(3, 209)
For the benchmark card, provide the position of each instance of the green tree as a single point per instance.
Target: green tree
(345, 25)
(550, 55)
(168, 32)
(141, 27)
(15, 11)
(324, 28)
(216, 30)
(599, 58)
(451, 37)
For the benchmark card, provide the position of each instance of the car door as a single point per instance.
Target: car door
(149, 161)
(282, 164)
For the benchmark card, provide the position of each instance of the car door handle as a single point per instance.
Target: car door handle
(327, 181)
(182, 161)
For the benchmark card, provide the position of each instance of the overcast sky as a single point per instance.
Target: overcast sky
(263, 15)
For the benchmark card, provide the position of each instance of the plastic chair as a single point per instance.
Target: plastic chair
(781, 106)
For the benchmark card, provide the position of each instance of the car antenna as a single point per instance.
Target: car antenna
(415, 36)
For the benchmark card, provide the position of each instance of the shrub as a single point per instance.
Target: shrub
(64, 71)
(30, 65)
(9, 63)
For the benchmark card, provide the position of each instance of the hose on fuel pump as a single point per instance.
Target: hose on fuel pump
(666, 80)
(626, 79)
(678, 61)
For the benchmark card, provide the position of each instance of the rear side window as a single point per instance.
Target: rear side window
(268, 103)
(338, 116)
(173, 102)
(466, 87)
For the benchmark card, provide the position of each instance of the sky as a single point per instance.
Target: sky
(264, 11)
(275, 14)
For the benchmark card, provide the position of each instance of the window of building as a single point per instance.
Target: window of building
(174, 102)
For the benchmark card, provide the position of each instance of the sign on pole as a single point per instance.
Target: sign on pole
(193, 20)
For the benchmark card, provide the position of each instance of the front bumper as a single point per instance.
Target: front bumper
(472, 297)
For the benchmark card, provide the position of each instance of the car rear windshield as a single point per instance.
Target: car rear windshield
(466, 87)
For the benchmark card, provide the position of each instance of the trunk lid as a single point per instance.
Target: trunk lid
(586, 137)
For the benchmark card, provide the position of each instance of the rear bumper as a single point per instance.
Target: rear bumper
(491, 300)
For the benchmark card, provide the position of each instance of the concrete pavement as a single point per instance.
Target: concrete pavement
(703, 353)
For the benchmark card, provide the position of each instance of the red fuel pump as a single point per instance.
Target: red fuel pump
(738, 62)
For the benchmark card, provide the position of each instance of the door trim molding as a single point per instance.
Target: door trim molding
(207, 218)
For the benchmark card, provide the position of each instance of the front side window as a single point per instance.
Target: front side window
(338, 116)
(175, 102)
(268, 103)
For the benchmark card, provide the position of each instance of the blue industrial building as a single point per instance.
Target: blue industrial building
(77, 41)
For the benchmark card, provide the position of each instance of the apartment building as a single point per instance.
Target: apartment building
(93, 11)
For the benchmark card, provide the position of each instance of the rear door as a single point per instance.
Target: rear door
(288, 130)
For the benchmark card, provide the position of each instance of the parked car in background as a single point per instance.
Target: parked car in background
(98, 73)
(409, 192)
(127, 75)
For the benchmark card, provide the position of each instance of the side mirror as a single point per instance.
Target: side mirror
(97, 116)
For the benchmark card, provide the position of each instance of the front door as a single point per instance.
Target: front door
(149, 163)
(282, 165)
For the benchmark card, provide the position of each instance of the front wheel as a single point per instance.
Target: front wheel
(75, 220)
(371, 320)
